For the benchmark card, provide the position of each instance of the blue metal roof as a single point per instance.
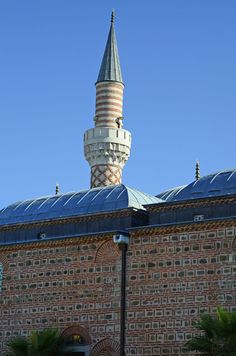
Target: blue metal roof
(106, 199)
(110, 68)
(213, 185)
(168, 194)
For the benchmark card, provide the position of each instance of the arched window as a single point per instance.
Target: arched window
(77, 341)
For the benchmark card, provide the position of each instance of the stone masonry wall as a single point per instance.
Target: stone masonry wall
(171, 279)
(60, 286)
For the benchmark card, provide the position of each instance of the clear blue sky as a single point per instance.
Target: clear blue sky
(178, 59)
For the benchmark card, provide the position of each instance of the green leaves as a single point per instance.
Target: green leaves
(40, 343)
(18, 347)
(218, 335)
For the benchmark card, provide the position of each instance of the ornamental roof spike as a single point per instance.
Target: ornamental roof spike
(197, 170)
(57, 189)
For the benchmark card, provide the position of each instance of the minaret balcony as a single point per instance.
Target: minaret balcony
(104, 145)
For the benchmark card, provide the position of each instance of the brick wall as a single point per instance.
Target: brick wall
(60, 286)
(171, 279)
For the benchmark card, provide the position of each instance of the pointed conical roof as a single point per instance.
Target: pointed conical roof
(110, 68)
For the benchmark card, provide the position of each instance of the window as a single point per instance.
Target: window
(197, 218)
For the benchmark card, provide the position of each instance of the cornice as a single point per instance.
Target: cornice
(69, 220)
(182, 227)
(142, 231)
(57, 242)
(190, 203)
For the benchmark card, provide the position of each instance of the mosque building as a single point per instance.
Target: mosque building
(116, 270)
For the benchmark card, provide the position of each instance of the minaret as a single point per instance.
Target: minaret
(107, 145)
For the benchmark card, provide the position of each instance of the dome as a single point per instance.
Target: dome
(80, 203)
(213, 185)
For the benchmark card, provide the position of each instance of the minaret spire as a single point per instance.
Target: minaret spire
(110, 67)
(107, 146)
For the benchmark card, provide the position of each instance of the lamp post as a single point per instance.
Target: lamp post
(122, 240)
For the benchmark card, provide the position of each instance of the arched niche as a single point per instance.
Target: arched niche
(77, 341)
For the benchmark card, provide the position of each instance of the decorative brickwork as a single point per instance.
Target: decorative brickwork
(106, 347)
(107, 251)
(58, 284)
(103, 175)
(77, 330)
(74, 284)
(3, 269)
(171, 280)
(4, 261)
(109, 104)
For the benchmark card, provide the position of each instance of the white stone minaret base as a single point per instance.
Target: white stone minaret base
(106, 150)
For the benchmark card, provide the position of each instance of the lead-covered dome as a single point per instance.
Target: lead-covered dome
(97, 200)
(218, 184)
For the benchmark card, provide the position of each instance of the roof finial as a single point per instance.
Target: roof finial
(113, 16)
(57, 190)
(197, 171)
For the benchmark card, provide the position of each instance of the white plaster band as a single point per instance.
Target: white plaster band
(106, 123)
(109, 97)
(109, 100)
(105, 134)
(110, 84)
(108, 109)
(109, 103)
(106, 119)
(110, 87)
(109, 93)
(112, 115)
(105, 115)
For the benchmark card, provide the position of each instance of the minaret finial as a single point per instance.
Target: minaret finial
(113, 16)
(57, 190)
(197, 171)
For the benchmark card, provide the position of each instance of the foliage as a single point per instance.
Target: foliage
(40, 343)
(218, 335)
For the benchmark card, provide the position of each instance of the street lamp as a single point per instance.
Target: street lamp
(122, 240)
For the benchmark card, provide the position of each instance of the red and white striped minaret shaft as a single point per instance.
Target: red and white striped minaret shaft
(109, 103)
(107, 146)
